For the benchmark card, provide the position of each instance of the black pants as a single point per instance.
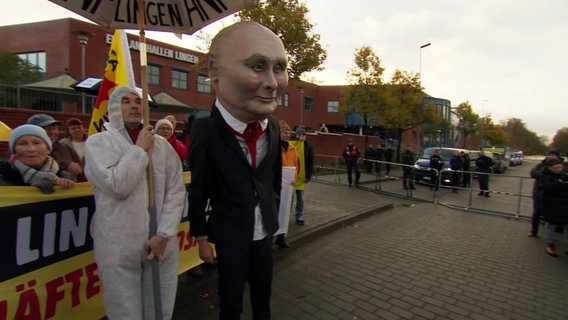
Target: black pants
(434, 179)
(353, 166)
(483, 183)
(237, 265)
(407, 175)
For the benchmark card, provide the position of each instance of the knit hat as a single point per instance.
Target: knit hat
(25, 130)
(555, 152)
(162, 122)
(42, 120)
(300, 130)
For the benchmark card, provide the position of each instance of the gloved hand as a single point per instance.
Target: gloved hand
(44, 184)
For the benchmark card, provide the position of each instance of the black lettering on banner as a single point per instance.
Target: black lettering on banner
(39, 234)
(197, 7)
(126, 11)
(88, 3)
(99, 125)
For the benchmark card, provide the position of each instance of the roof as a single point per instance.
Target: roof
(164, 98)
(63, 81)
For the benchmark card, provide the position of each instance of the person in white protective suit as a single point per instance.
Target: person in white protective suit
(116, 166)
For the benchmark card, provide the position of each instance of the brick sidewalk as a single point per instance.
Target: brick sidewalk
(415, 261)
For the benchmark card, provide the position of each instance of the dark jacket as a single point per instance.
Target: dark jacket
(484, 163)
(436, 162)
(351, 153)
(10, 176)
(554, 195)
(456, 162)
(221, 174)
(309, 159)
(408, 158)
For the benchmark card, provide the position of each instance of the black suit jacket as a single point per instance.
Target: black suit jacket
(220, 172)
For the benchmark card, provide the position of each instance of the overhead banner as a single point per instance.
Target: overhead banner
(47, 267)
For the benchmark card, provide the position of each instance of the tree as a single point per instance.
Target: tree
(468, 121)
(560, 140)
(287, 18)
(521, 138)
(492, 134)
(365, 92)
(405, 110)
(16, 70)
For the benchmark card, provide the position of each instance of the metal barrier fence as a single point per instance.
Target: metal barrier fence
(46, 99)
(509, 195)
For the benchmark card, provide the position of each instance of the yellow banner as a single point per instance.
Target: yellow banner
(47, 266)
(118, 72)
(299, 145)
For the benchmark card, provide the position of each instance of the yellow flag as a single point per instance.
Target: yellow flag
(118, 72)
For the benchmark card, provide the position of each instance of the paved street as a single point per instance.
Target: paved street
(362, 255)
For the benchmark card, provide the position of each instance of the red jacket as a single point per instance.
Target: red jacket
(179, 147)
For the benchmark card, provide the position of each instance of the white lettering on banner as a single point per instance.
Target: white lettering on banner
(24, 253)
(160, 51)
(69, 227)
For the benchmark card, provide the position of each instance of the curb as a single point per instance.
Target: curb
(311, 234)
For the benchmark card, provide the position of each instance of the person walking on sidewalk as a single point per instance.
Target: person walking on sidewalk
(554, 196)
(351, 154)
(290, 169)
(484, 164)
(236, 165)
(306, 170)
(535, 173)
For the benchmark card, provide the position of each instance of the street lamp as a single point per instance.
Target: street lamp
(420, 79)
(83, 40)
(420, 65)
(301, 105)
(483, 120)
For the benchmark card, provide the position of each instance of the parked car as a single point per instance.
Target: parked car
(422, 165)
(501, 163)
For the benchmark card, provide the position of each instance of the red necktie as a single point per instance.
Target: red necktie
(251, 134)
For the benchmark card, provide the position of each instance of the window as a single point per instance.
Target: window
(153, 73)
(308, 103)
(37, 59)
(203, 83)
(179, 79)
(284, 100)
(332, 106)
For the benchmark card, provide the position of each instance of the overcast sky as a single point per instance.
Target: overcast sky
(507, 58)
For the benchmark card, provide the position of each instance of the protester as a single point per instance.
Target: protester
(536, 173)
(185, 135)
(484, 164)
(236, 165)
(290, 169)
(351, 154)
(124, 245)
(76, 136)
(554, 197)
(165, 129)
(30, 163)
(436, 165)
(408, 170)
(307, 162)
(70, 164)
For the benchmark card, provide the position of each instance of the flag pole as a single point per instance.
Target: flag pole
(146, 119)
